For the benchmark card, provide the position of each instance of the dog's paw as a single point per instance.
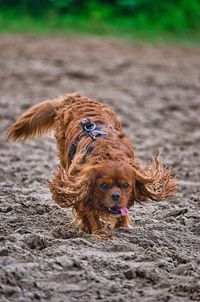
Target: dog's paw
(103, 234)
(130, 226)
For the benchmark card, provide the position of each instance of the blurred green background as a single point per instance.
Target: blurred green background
(153, 20)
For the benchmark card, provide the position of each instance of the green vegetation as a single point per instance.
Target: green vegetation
(136, 19)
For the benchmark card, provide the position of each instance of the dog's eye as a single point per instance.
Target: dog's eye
(104, 186)
(125, 186)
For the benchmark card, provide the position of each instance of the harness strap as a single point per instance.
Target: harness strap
(89, 129)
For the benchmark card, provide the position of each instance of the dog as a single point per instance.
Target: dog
(99, 176)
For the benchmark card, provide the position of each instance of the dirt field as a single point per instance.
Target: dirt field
(155, 92)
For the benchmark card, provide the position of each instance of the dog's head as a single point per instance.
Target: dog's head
(115, 186)
(107, 187)
(112, 188)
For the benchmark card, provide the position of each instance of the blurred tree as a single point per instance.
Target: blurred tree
(169, 15)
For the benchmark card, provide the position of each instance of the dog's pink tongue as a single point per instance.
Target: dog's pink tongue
(124, 211)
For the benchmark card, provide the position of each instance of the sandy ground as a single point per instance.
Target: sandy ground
(155, 92)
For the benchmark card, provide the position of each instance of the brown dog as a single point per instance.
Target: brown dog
(99, 176)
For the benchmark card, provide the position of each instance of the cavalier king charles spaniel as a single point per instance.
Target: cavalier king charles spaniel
(99, 177)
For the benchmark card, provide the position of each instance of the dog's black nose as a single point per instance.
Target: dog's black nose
(115, 196)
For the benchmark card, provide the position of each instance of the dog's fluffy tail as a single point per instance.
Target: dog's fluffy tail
(36, 121)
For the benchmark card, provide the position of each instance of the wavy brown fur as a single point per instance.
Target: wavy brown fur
(155, 182)
(73, 184)
(38, 120)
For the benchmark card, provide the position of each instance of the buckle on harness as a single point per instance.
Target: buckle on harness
(87, 125)
(89, 129)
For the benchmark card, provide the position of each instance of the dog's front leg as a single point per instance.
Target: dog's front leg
(90, 223)
(123, 222)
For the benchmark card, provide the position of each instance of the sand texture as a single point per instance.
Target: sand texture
(155, 92)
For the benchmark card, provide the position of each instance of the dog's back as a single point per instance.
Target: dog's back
(62, 115)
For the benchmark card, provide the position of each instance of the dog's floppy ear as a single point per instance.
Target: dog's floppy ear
(72, 187)
(154, 182)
